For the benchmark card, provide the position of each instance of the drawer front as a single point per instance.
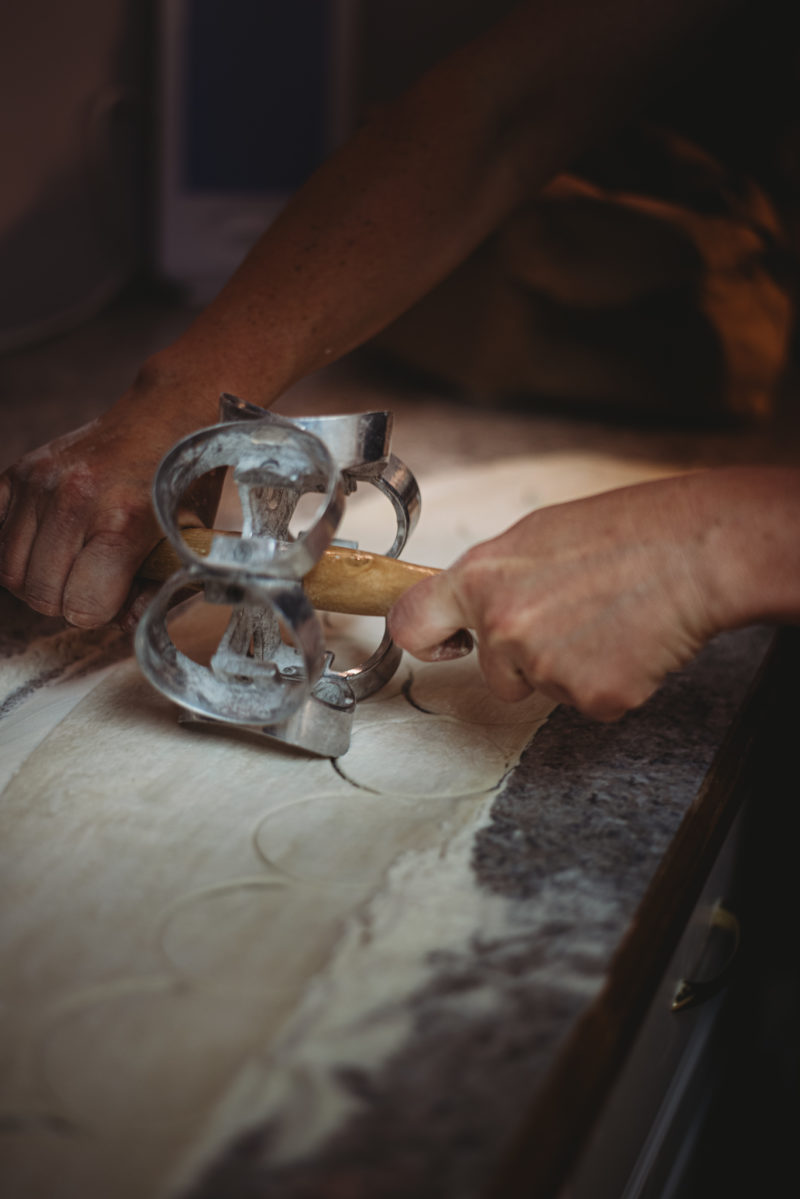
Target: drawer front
(644, 1133)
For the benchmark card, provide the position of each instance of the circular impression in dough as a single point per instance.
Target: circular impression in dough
(228, 936)
(424, 756)
(349, 840)
(458, 689)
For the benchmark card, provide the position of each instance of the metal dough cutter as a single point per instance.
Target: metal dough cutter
(271, 672)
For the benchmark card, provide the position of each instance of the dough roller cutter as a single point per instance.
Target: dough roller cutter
(271, 672)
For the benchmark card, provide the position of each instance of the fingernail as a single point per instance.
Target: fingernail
(457, 645)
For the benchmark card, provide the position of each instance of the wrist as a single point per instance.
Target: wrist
(189, 376)
(751, 547)
(177, 382)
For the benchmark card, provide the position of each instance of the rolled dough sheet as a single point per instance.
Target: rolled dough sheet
(176, 902)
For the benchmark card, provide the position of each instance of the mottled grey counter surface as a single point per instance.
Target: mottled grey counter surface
(574, 839)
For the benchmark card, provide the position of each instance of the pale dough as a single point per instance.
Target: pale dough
(176, 902)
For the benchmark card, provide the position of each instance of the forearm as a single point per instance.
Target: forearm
(423, 183)
(748, 520)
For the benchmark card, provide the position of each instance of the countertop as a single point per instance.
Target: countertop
(231, 970)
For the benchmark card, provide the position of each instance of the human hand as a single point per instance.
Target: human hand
(593, 602)
(76, 518)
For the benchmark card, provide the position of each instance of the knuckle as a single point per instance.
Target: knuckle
(546, 669)
(71, 500)
(476, 555)
(58, 496)
(472, 569)
(505, 631)
(36, 472)
(76, 487)
(114, 543)
(123, 523)
(110, 542)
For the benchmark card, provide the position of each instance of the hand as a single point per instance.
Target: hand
(592, 602)
(76, 518)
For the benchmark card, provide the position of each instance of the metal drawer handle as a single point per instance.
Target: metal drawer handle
(692, 991)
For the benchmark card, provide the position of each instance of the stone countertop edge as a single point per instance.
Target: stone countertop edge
(604, 817)
(723, 706)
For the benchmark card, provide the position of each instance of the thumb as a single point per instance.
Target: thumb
(428, 621)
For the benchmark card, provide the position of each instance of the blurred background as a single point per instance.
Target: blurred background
(155, 139)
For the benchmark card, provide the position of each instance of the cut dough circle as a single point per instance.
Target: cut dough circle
(349, 840)
(436, 756)
(458, 689)
(217, 935)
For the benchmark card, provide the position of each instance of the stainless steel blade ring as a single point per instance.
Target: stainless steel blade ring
(239, 688)
(273, 465)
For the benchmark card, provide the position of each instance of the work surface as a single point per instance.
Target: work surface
(233, 969)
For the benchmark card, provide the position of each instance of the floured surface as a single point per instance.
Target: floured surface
(201, 929)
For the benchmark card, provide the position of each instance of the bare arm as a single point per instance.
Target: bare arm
(427, 179)
(379, 224)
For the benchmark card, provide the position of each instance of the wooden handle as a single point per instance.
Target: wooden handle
(344, 580)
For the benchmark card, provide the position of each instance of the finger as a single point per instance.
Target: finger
(503, 676)
(56, 546)
(5, 497)
(101, 578)
(558, 694)
(17, 534)
(429, 621)
(511, 680)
